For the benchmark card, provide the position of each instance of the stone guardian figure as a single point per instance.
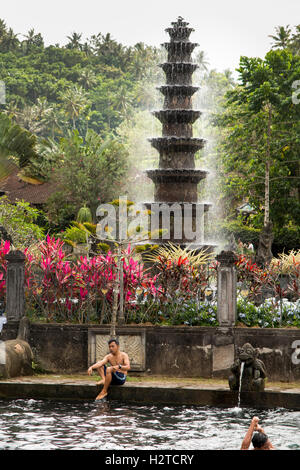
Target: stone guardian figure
(254, 372)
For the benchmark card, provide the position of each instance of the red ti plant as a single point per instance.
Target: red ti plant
(294, 280)
(252, 275)
(179, 278)
(66, 290)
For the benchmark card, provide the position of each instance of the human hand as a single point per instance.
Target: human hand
(115, 368)
(255, 420)
(90, 370)
(258, 428)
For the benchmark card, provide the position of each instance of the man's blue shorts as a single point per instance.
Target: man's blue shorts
(118, 378)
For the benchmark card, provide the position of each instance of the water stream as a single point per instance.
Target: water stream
(240, 384)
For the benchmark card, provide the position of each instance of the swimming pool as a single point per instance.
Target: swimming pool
(39, 424)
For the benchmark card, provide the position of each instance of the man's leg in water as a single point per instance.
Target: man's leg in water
(100, 371)
(107, 381)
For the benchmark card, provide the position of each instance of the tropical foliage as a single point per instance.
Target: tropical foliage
(20, 222)
(88, 171)
(94, 83)
(259, 147)
(17, 146)
(60, 288)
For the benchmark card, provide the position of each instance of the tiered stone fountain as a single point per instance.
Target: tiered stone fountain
(176, 179)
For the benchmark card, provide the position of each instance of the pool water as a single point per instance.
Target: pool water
(39, 424)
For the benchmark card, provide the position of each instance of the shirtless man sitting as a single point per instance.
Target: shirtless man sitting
(116, 374)
(260, 440)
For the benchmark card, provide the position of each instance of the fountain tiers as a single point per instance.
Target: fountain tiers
(176, 179)
(176, 207)
(177, 96)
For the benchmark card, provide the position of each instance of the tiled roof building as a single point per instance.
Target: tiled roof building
(15, 188)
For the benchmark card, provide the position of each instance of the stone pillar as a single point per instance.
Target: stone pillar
(226, 288)
(15, 280)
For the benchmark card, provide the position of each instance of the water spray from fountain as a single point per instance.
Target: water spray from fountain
(176, 179)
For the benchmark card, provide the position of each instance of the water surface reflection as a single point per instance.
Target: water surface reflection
(38, 424)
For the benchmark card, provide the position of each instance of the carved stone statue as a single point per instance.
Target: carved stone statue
(16, 355)
(254, 372)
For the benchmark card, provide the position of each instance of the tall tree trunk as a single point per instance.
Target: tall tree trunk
(121, 309)
(267, 173)
(267, 194)
(298, 175)
(264, 251)
(115, 296)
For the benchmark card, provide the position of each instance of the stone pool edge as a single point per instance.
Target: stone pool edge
(153, 395)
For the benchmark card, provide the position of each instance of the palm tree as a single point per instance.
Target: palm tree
(16, 146)
(3, 33)
(87, 79)
(30, 37)
(123, 101)
(202, 61)
(32, 40)
(138, 65)
(282, 38)
(74, 41)
(295, 41)
(54, 119)
(33, 117)
(228, 75)
(10, 41)
(87, 48)
(3, 29)
(107, 44)
(74, 102)
(110, 48)
(95, 42)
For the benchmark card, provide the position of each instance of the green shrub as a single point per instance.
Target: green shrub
(286, 239)
(20, 222)
(74, 234)
(270, 314)
(190, 313)
(242, 231)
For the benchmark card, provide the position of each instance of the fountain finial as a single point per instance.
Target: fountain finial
(179, 30)
(179, 23)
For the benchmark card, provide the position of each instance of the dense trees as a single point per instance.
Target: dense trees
(97, 80)
(259, 148)
(88, 101)
(87, 171)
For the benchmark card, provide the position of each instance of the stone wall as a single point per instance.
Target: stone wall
(173, 351)
(56, 347)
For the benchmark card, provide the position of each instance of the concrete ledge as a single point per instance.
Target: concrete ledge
(147, 394)
(52, 391)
